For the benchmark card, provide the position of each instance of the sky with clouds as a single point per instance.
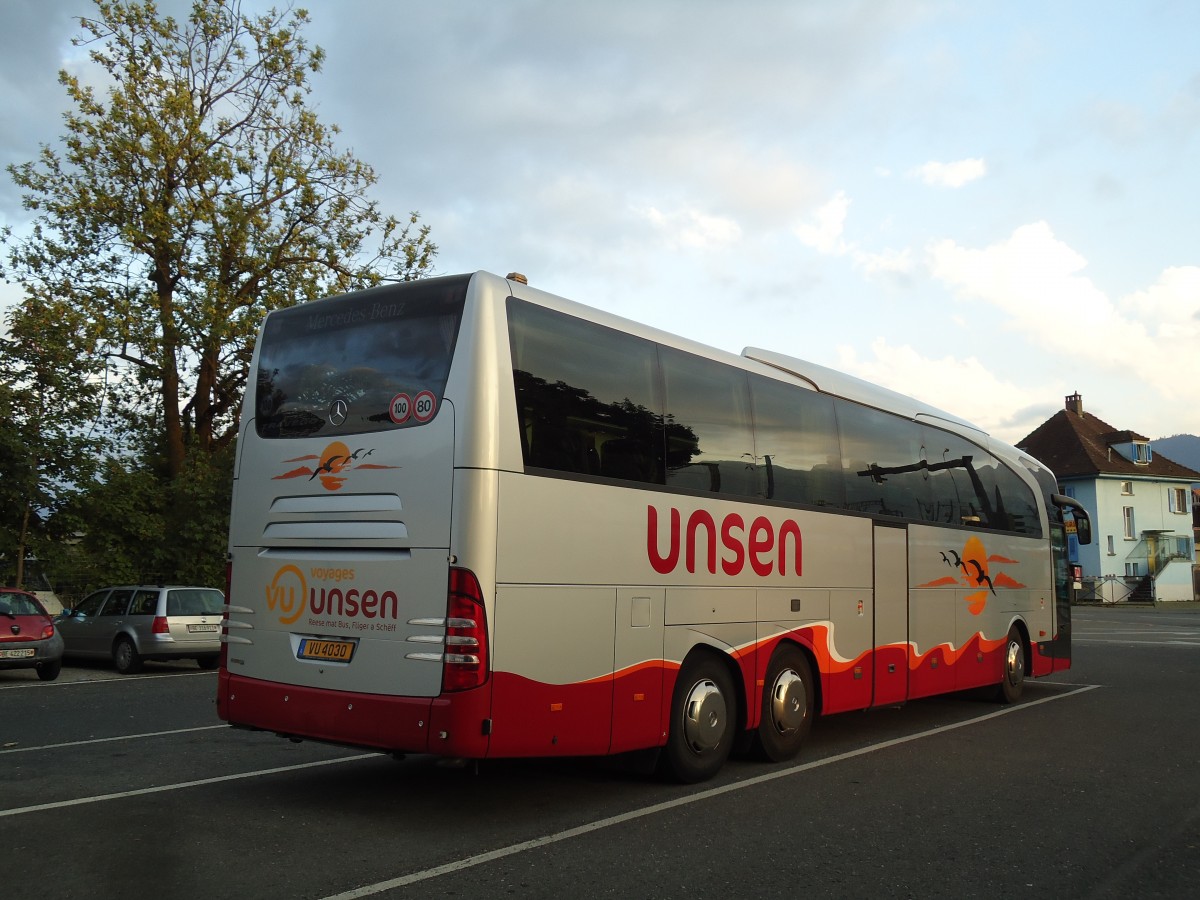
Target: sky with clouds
(987, 205)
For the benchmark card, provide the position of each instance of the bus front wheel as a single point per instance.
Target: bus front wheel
(703, 720)
(1012, 682)
(787, 706)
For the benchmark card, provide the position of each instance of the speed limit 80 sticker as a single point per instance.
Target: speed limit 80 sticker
(424, 406)
(421, 408)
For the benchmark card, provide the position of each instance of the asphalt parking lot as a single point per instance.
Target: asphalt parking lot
(1090, 787)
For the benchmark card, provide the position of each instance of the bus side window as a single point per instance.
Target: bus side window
(796, 444)
(884, 462)
(629, 460)
(562, 448)
(710, 443)
(581, 410)
(971, 487)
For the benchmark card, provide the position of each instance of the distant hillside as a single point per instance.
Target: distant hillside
(1181, 448)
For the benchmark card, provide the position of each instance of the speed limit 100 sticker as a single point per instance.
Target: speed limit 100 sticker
(400, 408)
(424, 406)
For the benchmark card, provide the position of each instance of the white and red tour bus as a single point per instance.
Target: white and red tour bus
(474, 519)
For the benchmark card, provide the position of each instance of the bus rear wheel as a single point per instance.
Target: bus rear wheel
(703, 720)
(787, 705)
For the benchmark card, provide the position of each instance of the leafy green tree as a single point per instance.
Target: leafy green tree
(49, 403)
(191, 192)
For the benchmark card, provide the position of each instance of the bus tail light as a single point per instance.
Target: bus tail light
(465, 664)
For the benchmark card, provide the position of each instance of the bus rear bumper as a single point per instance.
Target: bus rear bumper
(389, 724)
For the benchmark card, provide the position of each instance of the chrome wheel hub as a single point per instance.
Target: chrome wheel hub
(1014, 663)
(704, 715)
(789, 702)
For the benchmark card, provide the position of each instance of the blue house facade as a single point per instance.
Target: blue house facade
(1140, 503)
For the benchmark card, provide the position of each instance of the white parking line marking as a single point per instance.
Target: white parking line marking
(122, 737)
(513, 849)
(1134, 642)
(1145, 632)
(140, 792)
(124, 679)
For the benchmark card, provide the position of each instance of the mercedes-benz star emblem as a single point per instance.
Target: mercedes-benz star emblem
(337, 412)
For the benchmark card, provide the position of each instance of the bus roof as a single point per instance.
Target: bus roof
(831, 381)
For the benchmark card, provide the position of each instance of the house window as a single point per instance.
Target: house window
(1128, 514)
(1112, 550)
(1132, 570)
(1141, 453)
(1177, 500)
(1127, 488)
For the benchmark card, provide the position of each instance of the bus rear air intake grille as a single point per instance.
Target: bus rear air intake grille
(325, 530)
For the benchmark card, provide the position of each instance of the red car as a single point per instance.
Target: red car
(28, 638)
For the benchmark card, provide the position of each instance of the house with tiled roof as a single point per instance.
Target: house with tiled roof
(1140, 504)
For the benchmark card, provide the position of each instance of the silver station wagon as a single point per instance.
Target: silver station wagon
(133, 623)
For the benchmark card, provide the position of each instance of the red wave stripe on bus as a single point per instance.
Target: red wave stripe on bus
(629, 709)
(1002, 580)
(940, 582)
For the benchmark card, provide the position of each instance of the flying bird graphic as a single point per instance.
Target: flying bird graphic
(333, 465)
(982, 577)
(329, 466)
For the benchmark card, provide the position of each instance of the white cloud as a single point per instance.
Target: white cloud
(951, 174)
(693, 229)
(964, 387)
(1172, 303)
(889, 262)
(1038, 281)
(825, 234)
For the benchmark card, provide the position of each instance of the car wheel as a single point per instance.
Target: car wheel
(126, 657)
(49, 671)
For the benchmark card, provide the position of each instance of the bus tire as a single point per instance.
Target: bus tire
(703, 721)
(787, 705)
(1012, 680)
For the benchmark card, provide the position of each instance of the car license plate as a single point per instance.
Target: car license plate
(207, 628)
(23, 653)
(332, 651)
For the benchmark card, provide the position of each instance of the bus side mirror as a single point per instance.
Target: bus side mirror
(1083, 529)
(1080, 519)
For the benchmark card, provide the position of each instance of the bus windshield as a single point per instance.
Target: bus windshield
(357, 363)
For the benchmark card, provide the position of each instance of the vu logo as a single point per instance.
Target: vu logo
(288, 592)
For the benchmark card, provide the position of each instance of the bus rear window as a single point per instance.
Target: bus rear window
(369, 361)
